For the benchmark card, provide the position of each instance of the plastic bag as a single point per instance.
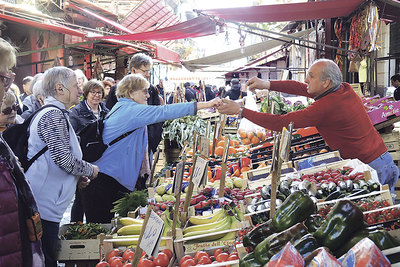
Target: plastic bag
(364, 254)
(288, 256)
(249, 132)
(321, 258)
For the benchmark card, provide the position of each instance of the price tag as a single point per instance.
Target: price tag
(198, 171)
(285, 144)
(204, 146)
(177, 186)
(152, 235)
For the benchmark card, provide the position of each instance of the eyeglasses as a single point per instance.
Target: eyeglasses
(96, 93)
(7, 79)
(144, 71)
(8, 110)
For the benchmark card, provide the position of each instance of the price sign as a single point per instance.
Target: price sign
(198, 171)
(178, 177)
(285, 144)
(204, 146)
(152, 235)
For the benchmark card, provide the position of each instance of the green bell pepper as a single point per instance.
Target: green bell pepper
(383, 239)
(306, 245)
(249, 261)
(313, 222)
(344, 219)
(296, 208)
(258, 234)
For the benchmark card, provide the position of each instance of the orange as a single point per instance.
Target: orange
(237, 173)
(235, 142)
(244, 169)
(221, 143)
(190, 152)
(255, 140)
(209, 175)
(219, 151)
(250, 135)
(242, 134)
(246, 141)
(232, 150)
(260, 134)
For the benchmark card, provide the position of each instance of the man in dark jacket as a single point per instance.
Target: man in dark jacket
(395, 79)
(190, 94)
(234, 93)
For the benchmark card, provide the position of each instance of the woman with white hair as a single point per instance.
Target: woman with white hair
(8, 114)
(55, 174)
(81, 78)
(125, 165)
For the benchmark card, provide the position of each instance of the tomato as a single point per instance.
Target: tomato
(168, 252)
(200, 254)
(114, 258)
(128, 264)
(113, 253)
(233, 257)
(128, 255)
(217, 252)
(184, 258)
(161, 260)
(117, 262)
(103, 264)
(204, 260)
(187, 263)
(222, 257)
(146, 263)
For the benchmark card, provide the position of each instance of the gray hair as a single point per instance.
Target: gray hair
(38, 89)
(8, 57)
(36, 78)
(331, 71)
(139, 60)
(54, 76)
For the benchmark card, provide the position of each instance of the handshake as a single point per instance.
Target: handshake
(225, 106)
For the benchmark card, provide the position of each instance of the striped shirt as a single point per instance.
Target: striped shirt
(53, 130)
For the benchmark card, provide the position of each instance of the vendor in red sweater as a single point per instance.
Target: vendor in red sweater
(337, 113)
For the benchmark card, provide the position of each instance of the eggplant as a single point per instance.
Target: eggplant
(358, 192)
(278, 202)
(266, 192)
(250, 208)
(331, 187)
(373, 186)
(284, 187)
(362, 184)
(320, 194)
(260, 207)
(342, 186)
(333, 195)
(280, 196)
(356, 186)
(349, 185)
(293, 189)
(314, 199)
(324, 187)
(268, 204)
(254, 201)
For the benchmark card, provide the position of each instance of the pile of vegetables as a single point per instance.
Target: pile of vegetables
(182, 129)
(84, 231)
(130, 202)
(281, 107)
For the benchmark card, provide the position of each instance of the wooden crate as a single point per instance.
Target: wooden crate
(329, 157)
(391, 137)
(260, 177)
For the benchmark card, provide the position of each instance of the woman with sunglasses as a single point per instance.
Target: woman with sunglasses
(9, 108)
(15, 193)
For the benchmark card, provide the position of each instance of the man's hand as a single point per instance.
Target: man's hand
(209, 104)
(83, 182)
(229, 107)
(256, 83)
(95, 172)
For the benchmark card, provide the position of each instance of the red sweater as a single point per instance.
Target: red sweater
(340, 118)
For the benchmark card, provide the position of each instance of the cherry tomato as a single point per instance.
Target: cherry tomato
(204, 260)
(217, 252)
(200, 254)
(161, 260)
(168, 252)
(184, 258)
(113, 253)
(233, 257)
(146, 263)
(103, 264)
(222, 257)
(187, 263)
(117, 262)
(128, 255)
(114, 258)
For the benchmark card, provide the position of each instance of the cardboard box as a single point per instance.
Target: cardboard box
(82, 249)
(320, 159)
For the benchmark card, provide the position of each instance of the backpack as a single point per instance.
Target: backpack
(17, 137)
(91, 139)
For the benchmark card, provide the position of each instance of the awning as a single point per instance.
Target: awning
(45, 25)
(102, 19)
(389, 9)
(200, 26)
(149, 15)
(235, 54)
(167, 55)
(287, 12)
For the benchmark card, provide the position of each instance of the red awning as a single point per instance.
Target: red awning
(167, 55)
(103, 19)
(200, 26)
(45, 25)
(287, 12)
(150, 15)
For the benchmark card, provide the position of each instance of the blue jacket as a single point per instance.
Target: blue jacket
(123, 160)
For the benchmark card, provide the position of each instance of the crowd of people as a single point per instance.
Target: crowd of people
(61, 102)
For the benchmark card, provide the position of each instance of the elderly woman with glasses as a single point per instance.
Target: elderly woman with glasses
(9, 108)
(125, 161)
(55, 174)
(15, 194)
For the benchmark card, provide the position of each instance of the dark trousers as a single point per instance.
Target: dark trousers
(49, 242)
(98, 198)
(77, 208)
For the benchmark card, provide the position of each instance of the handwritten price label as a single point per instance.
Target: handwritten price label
(198, 171)
(177, 185)
(152, 235)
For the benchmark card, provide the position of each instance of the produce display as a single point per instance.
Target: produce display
(80, 230)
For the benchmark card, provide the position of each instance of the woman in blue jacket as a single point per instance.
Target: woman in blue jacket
(125, 165)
